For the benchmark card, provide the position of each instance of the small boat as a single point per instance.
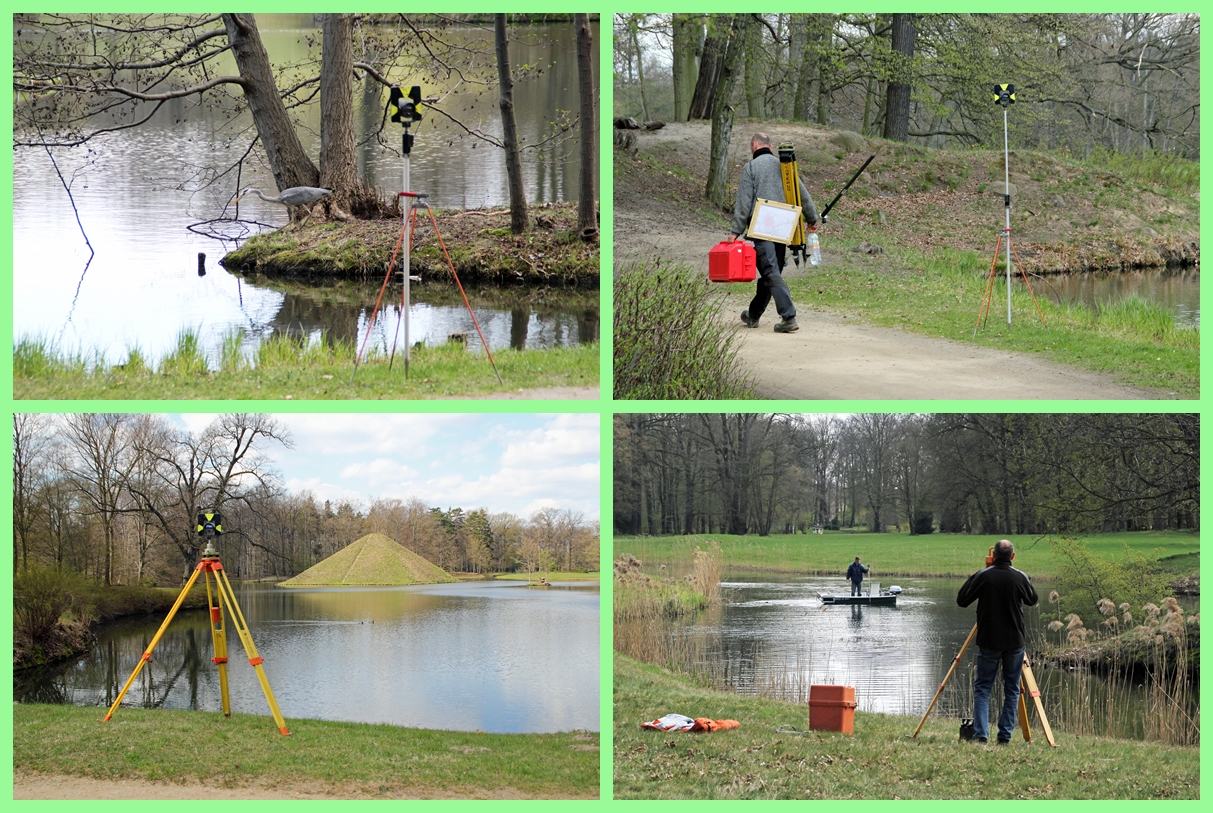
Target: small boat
(874, 598)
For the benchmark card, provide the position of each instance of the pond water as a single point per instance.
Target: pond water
(1177, 290)
(489, 656)
(137, 191)
(771, 635)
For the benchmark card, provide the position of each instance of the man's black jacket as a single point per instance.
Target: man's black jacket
(999, 592)
(855, 572)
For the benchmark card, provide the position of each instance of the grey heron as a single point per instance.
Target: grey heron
(295, 196)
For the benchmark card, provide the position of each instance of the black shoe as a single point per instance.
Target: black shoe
(745, 317)
(981, 740)
(1004, 742)
(787, 326)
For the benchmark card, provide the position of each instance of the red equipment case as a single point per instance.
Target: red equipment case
(832, 708)
(732, 262)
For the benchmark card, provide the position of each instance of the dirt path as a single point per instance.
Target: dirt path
(27, 785)
(831, 356)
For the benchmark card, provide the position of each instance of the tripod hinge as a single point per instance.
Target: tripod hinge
(218, 660)
(147, 656)
(256, 661)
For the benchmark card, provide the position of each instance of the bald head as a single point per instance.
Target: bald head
(759, 141)
(1003, 550)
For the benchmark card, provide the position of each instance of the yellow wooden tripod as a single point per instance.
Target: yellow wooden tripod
(210, 566)
(1027, 686)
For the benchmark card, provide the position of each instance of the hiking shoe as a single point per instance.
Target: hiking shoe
(745, 317)
(1004, 742)
(787, 326)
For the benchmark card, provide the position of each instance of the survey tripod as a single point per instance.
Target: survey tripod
(210, 526)
(1004, 95)
(1027, 686)
(406, 110)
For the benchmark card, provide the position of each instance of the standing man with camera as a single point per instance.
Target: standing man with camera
(762, 178)
(1001, 592)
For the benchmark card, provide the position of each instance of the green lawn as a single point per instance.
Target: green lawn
(772, 756)
(897, 554)
(347, 759)
(284, 370)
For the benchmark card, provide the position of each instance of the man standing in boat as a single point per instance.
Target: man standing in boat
(1001, 592)
(855, 574)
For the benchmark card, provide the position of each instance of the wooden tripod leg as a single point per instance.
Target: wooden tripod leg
(219, 638)
(946, 678)
(1034, 690)
(147, 653)
(1024, 725)
(250, 649)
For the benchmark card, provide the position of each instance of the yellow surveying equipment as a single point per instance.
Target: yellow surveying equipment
(209, 525)
(1027, 686)
(791, 196)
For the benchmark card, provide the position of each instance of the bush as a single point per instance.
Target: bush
(41, 595)
(1086, 578)
(924, 523)
(669, 343)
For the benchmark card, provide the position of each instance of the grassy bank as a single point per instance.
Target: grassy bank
(898, 554)
(938, 293)
(769, 757)
(340, 760)
(479, 242)
(291, 369)
(556, 576)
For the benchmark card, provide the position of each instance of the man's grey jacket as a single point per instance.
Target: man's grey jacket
(761, 178)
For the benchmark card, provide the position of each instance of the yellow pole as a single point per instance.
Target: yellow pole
(250, 649)
(1024, 725)
(946, 678)
(219, 637)
(147, 653)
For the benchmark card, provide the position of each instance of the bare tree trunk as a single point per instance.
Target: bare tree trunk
(688, 40)
(753, 81)
(709, 67)
(634, 30)
(897, 108)
(338, 165)
(722, 114)
(587, 221)
(288, 161)
(509, 131)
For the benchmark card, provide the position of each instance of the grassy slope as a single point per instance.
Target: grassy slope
(372, 559)
(434, 372)
(897, 554)
(880, 761)
(935, 217)
(345, 758)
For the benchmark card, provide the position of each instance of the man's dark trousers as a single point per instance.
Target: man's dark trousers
(988, 661)
(770, 258)
(857, 588)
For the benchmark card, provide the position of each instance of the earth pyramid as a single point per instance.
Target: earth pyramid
(372, 560)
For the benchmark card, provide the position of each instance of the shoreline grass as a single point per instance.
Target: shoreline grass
(292, 368)
(772, 756)
(346, 759)
(899, 554)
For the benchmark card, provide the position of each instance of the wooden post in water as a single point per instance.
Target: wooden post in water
(201, 263)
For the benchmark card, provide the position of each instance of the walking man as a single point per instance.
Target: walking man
(1001, 592)
(855, 574)
(762, 178)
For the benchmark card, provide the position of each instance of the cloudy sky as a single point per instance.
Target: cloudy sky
(516, 463)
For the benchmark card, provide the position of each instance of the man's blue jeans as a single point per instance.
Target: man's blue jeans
(988, 661)
(856, 588)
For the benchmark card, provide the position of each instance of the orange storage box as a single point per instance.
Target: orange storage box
(832, 708)
(733, 261)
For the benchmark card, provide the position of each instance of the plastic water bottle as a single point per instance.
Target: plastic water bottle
(813, 248)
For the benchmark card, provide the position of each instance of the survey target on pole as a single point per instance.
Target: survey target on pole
(774, 221)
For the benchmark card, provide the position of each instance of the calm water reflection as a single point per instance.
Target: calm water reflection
(1177, 290)
(493, 656)
(135, 200)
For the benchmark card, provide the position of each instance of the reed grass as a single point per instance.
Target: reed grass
(231, 352)
(669, 343)
(1151, 166)
(186, 357)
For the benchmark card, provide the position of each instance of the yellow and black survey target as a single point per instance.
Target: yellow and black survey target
(210, 522)
(1004, 95)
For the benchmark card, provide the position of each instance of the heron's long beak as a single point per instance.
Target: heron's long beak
(237, 200)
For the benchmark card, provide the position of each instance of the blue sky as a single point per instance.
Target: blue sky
(518, 463)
